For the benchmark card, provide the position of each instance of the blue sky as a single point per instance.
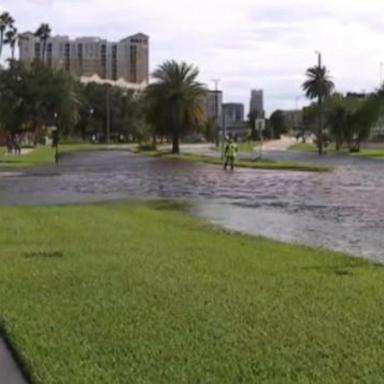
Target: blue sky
(247, 44)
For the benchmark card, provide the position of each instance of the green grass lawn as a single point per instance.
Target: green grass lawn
(365, 152)
(118, 293)
(44, 155)
(255, 164)
(247, 146)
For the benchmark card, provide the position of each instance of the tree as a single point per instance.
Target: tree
(361, 120)
(44, 33)
(338, 112)
(277, 124)
(318, 85)
(11, 37)
(6, 21)
(175, 101)
(32, 99)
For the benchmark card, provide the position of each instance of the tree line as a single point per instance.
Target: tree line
(346, 120)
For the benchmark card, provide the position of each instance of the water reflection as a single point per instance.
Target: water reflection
(342, 210)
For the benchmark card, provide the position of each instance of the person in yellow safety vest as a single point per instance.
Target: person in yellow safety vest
(230, 153)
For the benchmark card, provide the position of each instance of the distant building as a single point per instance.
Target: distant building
(213, 106)
(356, 95)
(233, 112)
(234, 124)
(257, 103)
(293, 119)
(127, 59)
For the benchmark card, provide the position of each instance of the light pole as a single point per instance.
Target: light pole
(90, 117)
(55, 141)
(381, 73)
(108, 114)
(216, 90)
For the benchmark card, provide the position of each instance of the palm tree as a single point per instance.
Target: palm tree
(43, 33)
(6, 21)
(11, 37)
(318, 85)
(175, 100)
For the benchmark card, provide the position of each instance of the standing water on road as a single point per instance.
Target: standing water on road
(342, 210)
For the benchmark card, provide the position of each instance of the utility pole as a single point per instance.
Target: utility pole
(216, 88)
(381, 73)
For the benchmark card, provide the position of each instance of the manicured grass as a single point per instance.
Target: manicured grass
(303, 147)
(117, 293)
(364, 152)
(247, 146)
(255, 164)
(372, 153)
(44, 155)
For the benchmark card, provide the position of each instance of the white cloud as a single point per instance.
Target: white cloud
(246, 43)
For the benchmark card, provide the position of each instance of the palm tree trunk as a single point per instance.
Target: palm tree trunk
(175, 144)
(320, 127)
(1, 42)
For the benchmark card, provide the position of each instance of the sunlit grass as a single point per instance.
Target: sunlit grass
(44, 154)
(114, 293)
(254, 164)
(364, 152)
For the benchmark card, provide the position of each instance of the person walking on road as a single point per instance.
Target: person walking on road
(230, 153)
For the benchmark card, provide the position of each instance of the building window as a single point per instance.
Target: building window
(37, 51)
(114, 62)
(133, 64)
(49, 54)
(67, 57)
(104, 61)
(80, 57)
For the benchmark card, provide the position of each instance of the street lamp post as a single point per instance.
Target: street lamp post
(216, 83)
(55, 139)
(108, 115)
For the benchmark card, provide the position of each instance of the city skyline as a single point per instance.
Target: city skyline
(126, 59)
(250, 46)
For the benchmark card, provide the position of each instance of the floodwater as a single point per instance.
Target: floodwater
(342, 210)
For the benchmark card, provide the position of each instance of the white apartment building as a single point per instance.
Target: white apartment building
(127, 59)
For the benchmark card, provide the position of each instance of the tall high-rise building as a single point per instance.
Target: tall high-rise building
(213, 106)
(127, 59)
(257, 103)
(233, 113)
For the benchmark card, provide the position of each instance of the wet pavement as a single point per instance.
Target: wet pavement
(342, 210)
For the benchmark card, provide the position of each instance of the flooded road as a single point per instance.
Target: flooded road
(342, 210)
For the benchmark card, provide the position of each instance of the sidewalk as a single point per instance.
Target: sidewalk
(9, 371)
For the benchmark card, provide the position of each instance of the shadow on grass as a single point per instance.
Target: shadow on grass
(345, 269)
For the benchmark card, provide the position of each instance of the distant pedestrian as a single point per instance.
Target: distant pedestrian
(230, 153)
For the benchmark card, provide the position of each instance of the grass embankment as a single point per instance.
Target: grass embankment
(364, 152)
(44, 154)
(135, 294)
(255, 164)
(248, 146)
